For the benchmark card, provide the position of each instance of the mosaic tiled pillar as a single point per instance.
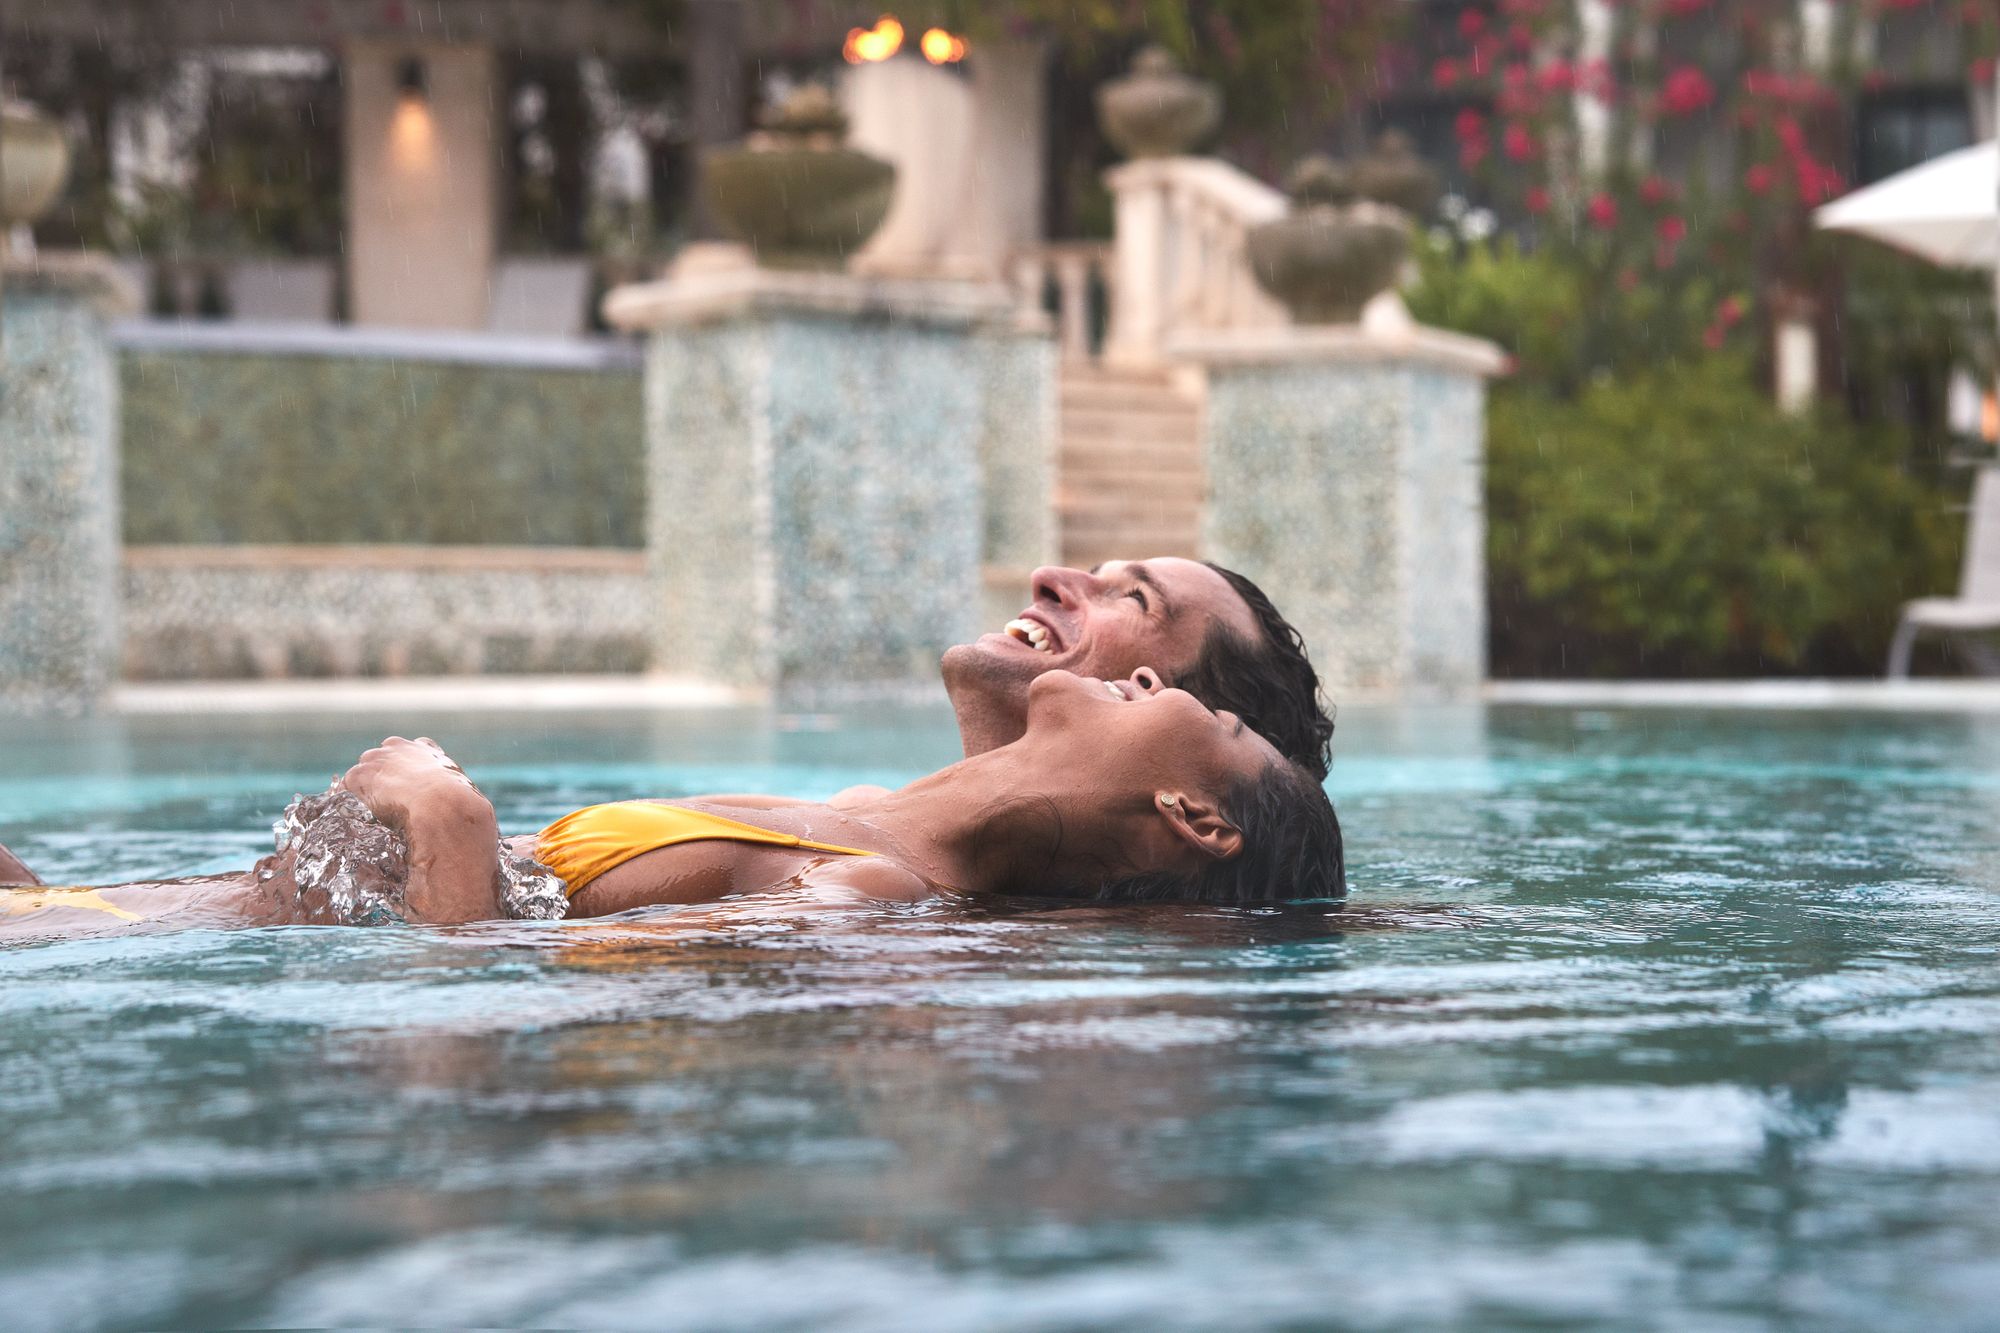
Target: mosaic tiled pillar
(1017, 467)
(58, 483)
(1345, 477)
(816, 495)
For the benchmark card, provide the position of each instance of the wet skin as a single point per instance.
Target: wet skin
(1108, 622)
(1105, 781)
(264, 895)
(1125, 619)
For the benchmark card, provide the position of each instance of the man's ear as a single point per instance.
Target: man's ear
(1199, 824)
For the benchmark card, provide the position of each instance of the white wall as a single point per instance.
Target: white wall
(422, 185)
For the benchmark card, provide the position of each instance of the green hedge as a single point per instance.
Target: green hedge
(1651, 512)
(1674, 523)
(225, 448)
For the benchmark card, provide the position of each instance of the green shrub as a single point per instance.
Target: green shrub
(1565, 320)
(1673, 522)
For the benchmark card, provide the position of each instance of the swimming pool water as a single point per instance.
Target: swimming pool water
(1642, 1020)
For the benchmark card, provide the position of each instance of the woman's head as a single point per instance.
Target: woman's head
(1177, 802)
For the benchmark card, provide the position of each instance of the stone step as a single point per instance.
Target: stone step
(1188, 489)
(1132, 427)
(1082, 550)
(1119, 525)
(1131, 477)
(1101, 491)
(1130, 454)
(1137, 477)
(1099, 372)
(1081, 518)
(1129, 461)
(1160, 398)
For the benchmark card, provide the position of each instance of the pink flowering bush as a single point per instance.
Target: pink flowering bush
(1651, 512)
(1745, 232)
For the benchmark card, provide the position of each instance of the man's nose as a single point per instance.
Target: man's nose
(1062, 585)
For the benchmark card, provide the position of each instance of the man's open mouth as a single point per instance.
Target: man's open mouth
(1033, 633)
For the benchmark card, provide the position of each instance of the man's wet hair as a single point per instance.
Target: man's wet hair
(1291, 851)
(1269, 682)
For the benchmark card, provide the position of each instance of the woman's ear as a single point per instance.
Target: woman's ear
(1199, 824)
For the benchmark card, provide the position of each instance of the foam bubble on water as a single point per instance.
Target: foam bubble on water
(362, 865)
(343, 852)
(529, 890)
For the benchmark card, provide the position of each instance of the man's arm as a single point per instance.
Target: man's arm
(448, 824)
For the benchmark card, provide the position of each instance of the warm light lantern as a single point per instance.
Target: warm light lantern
(867, 45)
(412, 133)
(941, 48)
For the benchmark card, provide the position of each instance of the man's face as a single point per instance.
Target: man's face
(1107, 622)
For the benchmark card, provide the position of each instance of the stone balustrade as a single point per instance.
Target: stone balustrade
(1179, 263)
(1077, 271)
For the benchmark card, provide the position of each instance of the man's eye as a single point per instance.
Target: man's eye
(1144, 605)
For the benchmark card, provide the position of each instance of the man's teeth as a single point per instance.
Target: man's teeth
(1028, 632)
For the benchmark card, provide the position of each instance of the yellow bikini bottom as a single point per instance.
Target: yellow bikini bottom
(20, 902)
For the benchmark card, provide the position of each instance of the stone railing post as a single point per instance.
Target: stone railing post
(1139, 260)
(1178, 266)
(59, 539)
(829, 460)
(1345, 472)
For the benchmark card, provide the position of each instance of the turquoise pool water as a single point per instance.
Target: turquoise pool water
(1679, 1020)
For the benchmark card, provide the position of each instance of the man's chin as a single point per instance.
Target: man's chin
(994, 657)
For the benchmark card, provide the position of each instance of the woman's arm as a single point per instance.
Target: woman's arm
(841, 800)
(452, 833)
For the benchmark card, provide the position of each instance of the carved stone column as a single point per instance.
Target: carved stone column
(831, 461)
(1345, 471)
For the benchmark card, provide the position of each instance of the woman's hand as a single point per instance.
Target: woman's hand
(401, 780)
(415, 788)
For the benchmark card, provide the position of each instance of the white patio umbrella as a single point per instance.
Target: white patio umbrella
(1946, 210)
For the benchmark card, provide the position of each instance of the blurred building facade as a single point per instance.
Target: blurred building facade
(473, 164)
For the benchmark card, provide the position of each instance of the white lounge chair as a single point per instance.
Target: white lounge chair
(284, 291)
(1977, 606)
(548, 297)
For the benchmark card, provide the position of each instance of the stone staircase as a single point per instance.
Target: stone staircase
(1130, 481)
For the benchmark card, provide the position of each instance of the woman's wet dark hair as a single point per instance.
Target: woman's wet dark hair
(1291, 849)
(1269, 683)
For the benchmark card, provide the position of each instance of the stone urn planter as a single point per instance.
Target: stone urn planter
(1157, 111)
(1395, 175)
(793, 192)
(1334, 252)
(34, 163)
